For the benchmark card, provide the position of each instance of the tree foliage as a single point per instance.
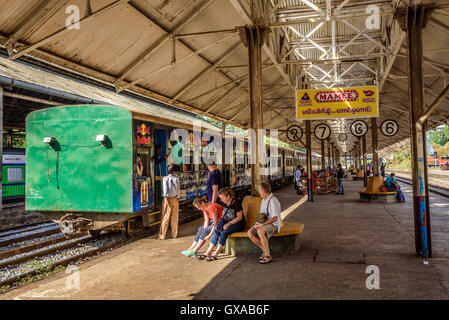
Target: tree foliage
(439, 136)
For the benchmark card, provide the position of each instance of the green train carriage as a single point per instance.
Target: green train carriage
(81, 165)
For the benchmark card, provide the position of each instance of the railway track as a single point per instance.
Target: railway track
(435, 189)
(30, 252)
(23, 228)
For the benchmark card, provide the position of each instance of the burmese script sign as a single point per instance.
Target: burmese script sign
(349, 103)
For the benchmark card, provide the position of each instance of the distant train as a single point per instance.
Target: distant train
(81, 165)
(438, 162)
(13, 173)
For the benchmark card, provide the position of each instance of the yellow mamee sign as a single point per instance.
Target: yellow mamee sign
(356, 102)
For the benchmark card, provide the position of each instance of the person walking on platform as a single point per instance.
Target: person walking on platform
(340, 176)
(298, 175)
(268, 222)
(214, 182)
(393, 185)
(213, 212)
(170, 205)
(382, 170)
(233, 221)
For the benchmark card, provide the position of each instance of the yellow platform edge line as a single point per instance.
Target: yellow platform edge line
(290, 209)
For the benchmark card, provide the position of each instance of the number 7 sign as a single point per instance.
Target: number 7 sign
(322, 131)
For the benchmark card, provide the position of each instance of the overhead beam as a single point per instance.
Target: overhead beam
(144, 55)
(434, 105)
(64, 30)
(205, 71)
(33, 21)
(249, 21)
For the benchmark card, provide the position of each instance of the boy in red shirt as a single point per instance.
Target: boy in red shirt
(212, 214)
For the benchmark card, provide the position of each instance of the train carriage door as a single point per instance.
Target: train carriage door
(142, 177)
(160, 164)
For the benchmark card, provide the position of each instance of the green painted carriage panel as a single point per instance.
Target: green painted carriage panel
(84, 175)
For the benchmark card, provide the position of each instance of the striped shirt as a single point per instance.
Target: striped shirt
(171, 186)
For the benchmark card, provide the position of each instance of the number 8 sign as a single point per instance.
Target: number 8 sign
(389, 127)
(322, 131)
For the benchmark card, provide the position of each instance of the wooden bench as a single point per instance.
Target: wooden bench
(285, 241)
(374, 194)
(359, 176)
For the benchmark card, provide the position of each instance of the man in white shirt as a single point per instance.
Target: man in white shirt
(170, 205)
(269, 222)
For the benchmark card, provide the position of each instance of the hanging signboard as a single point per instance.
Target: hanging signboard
(322, 131)
(389, 127)
(338, 103)
(294, 133)
(358, 128)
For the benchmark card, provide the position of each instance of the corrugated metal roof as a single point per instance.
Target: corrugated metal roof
(33, 75)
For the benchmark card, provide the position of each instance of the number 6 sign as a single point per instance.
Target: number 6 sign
(322, 131)
(389, 127)
(359, 128)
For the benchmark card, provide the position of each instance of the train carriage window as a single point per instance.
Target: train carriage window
(188, 167)
(15, 174)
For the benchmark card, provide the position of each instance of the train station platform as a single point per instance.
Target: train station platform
(341, 238)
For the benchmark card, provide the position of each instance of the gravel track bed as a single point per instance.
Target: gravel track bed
(32, 253)
(30, 241)
(23, 234)
(50, 259)
(24, 229)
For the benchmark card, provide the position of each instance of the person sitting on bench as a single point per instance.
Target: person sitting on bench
(212, 214)
(268, 221)
(393, 185)
(233, 221)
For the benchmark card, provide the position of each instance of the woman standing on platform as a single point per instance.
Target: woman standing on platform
(393, 185)
(233, 221)
(212, 214)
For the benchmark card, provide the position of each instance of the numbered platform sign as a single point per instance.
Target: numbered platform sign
(322, 131)
(359, 128)
(389, 127)
(342, 137)
(294, 133)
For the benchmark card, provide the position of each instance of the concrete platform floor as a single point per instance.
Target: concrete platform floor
(341, 238)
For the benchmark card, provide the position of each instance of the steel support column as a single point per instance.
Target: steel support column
(253, 37)
(328, 153)
(332, 156)
(323, 158)
(365, 175)
(375, 147)
(309, 161)
(412, 20)
(359, 153)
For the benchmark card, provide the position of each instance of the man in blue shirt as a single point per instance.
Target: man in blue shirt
(214, 182)
(392, 185)
(298, 175)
